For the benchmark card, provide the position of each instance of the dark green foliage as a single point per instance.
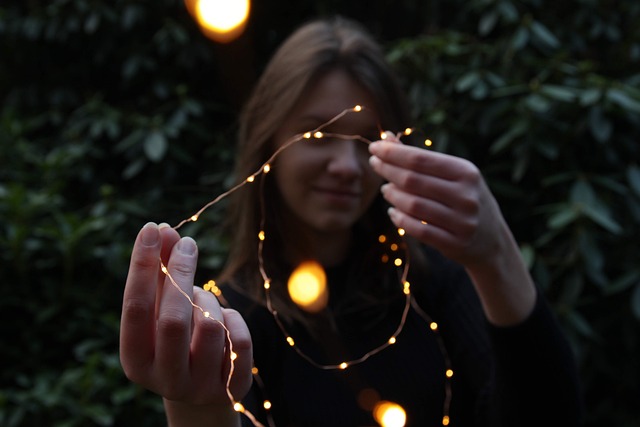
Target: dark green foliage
(118, 113)
(545, 98)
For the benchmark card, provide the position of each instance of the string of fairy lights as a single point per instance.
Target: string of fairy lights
(315, 134)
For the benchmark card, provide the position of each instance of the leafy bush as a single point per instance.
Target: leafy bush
(545, 98)
(117, 113)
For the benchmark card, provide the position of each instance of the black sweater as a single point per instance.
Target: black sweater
(523, 375)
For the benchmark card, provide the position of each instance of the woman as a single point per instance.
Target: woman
(329, 198)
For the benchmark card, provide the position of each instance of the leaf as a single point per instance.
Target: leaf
(593, 259)
(487, 23)
(563, 218)
(133, 168)
(543, 35)
(155, 146)
(601, 216)
(582, 193)
(528, 254)
(517, 130)
(467, 81)
(635, 302)
(579, 323)
(600, 127)
(508, 11)
(520, 39)
(623, 283)
(559, 93)
(537, 103)
(622, 99)
(633, 176)
(480, 90)
(590, 96)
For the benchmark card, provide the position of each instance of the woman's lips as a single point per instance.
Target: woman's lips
(338, 195)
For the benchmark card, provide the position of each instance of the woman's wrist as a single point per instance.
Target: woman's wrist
(504, 285)
(181, 414)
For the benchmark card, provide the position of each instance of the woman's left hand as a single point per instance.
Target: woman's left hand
(444, 201)
(441, 200)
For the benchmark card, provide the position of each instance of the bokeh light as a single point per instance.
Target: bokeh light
(389, 414)
(307, 287)
(220, 20)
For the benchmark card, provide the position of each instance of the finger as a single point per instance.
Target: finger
(415, 182)
(169, 237)
(437, 237)
(137, 327)
(242, 346)
(423, 209)
(208, 345)
(416, 159)
(175, 313)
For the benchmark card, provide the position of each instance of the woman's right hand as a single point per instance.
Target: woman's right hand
(167, 345)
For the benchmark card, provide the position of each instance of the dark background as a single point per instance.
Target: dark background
(115, 113)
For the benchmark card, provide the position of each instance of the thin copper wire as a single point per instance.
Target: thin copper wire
(409, 301)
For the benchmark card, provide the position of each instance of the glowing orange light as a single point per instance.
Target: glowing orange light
(194, 218)
(428, 142)
(382, 238)
(220, 20)
(212, 287)
(445, 420)
(389, 414)
(308, 286)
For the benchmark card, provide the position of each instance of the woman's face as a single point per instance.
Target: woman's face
(327, 184)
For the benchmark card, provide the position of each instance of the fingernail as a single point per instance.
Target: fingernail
(374, 161)
(384, 188)
(163, 225)
(373, 147)
(187, 246)
(149, 234)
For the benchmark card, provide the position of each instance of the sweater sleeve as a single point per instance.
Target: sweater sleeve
(536, 379)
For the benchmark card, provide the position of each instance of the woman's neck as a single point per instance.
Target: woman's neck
(327, 248)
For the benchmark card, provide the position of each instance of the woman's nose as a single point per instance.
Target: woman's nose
(347, 159)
